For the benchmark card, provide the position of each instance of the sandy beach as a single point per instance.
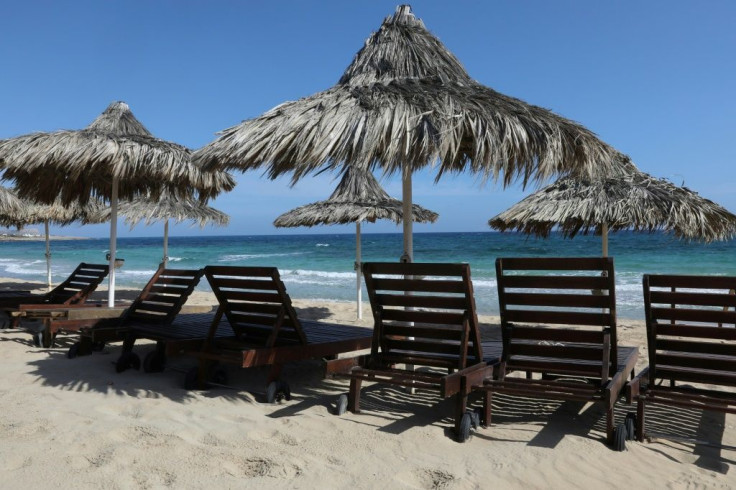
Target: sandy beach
(78, 423)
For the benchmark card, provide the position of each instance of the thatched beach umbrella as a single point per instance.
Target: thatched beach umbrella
(164, 209)
(406, 102)
(10, 207)
(358, 197)
(630, 200)
(114, 157)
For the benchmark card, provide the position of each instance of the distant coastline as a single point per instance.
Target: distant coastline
(38, 238)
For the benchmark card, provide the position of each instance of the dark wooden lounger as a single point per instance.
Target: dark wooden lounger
(691, 335)
(558, 320)
(159, 303)
(263, 329)
(424, 315)
(73, 291)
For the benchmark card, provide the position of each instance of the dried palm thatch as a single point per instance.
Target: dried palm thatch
(11, 207)
(163, 209)
(406, 100)
(630, 200)
(74, 165)
(58, 213)
(358, 197)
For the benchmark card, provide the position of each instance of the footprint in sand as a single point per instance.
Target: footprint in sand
(16, 462)
(436, 479)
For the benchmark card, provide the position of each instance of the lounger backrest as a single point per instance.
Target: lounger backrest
(558, 315)
(256, 305)
(424, 314)
(78, 286)
(163, 297)
(691, 330)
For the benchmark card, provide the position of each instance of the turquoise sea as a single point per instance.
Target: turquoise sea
(321, 266)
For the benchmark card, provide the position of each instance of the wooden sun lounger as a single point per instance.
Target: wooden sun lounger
(558, 320)
(256, 325)
(425, 333)
(691, 335)
(73, 291)
(158, 304)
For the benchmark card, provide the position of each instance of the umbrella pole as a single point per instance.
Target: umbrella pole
(166, 244)
(604, 236)
(407, 218)
(48, 254)
(113, 240)
(358, 271)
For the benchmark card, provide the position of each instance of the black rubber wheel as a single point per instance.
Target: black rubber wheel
(342, 404)
(630, 424)
(37, 339)
(98, 346)
(475, 419)
(271, 390)
(466, 423)
(73, 351)
(154, 362)
(127, 360)
(190, 379)
(619, 437)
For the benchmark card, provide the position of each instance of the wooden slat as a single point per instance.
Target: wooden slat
(417, 301)
(174, 281)
(557, 282)
(694, 331)
(695, 347)
(442, 349)
(694, 361)
(247, 284)
(568, 300)
(684, 282)
(165, 290)
(158, 308)
(693, 315)
(581, 352)
(694, 299)
(231, 296)
(558, 317)
(415, 269)
(696, 376)
(160, 298)
(433, 317)
(556, 263)
(558, 334)
(422, 332)
(572, 368)
(418, 285)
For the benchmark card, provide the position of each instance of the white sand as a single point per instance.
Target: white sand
(78, 424)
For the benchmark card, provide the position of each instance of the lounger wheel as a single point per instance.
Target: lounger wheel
(37, 339)
(630, 424)
(466, 424)
(126, 361)
(277, 390)
(154, 362)
(619, 437)
(342, 404)
(73, 351)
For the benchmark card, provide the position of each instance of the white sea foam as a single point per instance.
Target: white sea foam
(322, 245)
(175, 259)
(133, 272)
(237, 257)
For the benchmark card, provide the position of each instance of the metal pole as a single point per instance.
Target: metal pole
(113, 240)
(48, 254)
(166, 243)
(358, 271)
(408, 218)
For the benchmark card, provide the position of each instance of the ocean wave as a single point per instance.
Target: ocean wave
(133, 272)
(175, 259)
(236, 257)
(322, 245)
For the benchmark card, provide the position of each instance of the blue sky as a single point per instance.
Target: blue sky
(654, 79)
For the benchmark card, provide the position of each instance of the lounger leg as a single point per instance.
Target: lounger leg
(640, 420)
(354, 396)
(487, 399)
(609, 424)
(274, 374)
(128, 342)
